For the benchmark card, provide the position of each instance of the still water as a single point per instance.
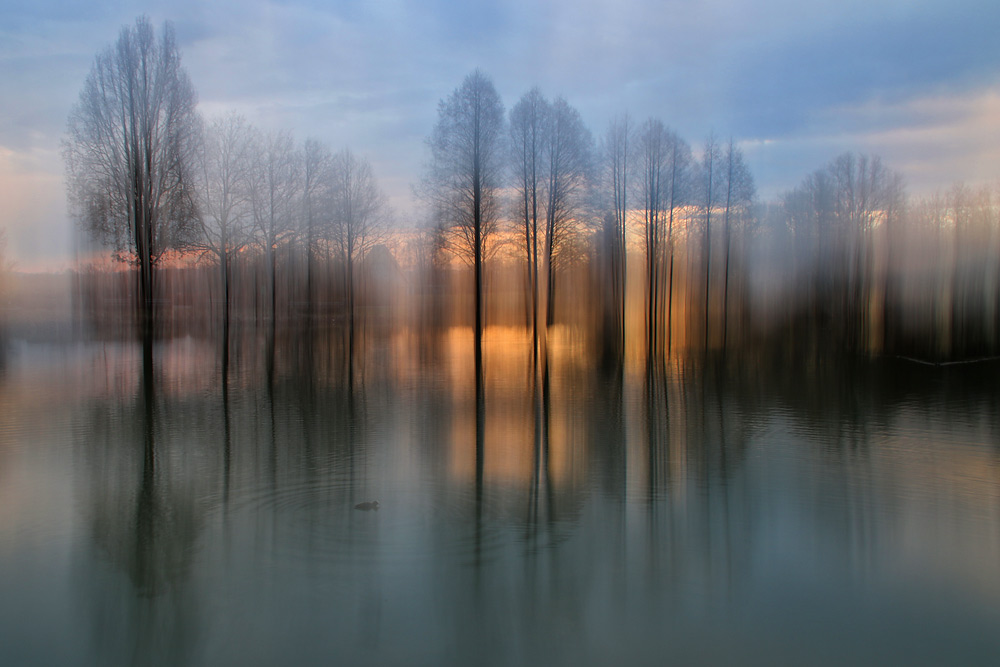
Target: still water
(753, 511)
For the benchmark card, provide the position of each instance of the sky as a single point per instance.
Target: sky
(794, 83)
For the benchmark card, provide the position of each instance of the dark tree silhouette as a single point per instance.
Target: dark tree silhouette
(615, 167)
(711, 163)
(223, 179)
(739, 197)
(654, 181)
(274, 191)
(466, 175)
(528, 137)
(316, 176)
(359, 218)
(833, 215)
(569, 157)
(129, 150)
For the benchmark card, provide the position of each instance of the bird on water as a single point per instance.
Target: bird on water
(370, 505)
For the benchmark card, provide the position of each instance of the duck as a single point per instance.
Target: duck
(366, 506)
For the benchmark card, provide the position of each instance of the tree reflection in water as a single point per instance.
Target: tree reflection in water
(568, 512)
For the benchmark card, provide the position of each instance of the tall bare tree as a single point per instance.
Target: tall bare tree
(740, 193)
(317, 177)
(711, 163)
(653, 153)
(680, 166)
(664, 189)
(569, 152)
(360, 213)
(274, 191)
(834, 214)
(128, 152)
(616, 159)
(466, 175)
(223, 179)
(863, 192)
(528, 120)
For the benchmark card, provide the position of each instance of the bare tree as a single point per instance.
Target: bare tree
(653, 152)
(528, 120)
(895, 212)
(928, 218)
(710, 176)
(861, 198)
(317, 180)
(664, 188)
(569, 152)
(740, 193)
(466, 174)
(971, 285)
(359, 218)
(223, 179)
(834, 214)
(616, 160)
(128, 152)
(680, 165)
(274, 188)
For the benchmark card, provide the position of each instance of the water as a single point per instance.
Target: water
(753, 512)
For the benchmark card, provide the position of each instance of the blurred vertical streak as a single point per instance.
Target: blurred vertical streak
(480, 450)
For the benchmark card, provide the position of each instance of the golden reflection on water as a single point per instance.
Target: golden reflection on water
(666, 415)
(516, 425)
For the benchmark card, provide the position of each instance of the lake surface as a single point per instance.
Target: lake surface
(748, 511)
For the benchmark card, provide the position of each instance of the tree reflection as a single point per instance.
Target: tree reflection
(145, 517)
(526, 494)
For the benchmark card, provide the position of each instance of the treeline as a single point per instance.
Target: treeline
(154, 181)
(533, 185)
(845, 261)
(653, 242)
(852, 262)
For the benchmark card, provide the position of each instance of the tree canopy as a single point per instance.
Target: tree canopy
(129, 150)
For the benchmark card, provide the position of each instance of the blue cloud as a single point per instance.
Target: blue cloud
(777, 89)
(369, 73)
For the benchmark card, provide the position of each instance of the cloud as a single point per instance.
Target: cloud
(936, 140)
(779, 85)
(933, 140)
(33, 206)
(797, 82)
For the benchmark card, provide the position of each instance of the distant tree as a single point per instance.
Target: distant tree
(711, 163)
(359, 217)
(223, 167)
(317, 177)
(466, 175)
(664, 165)
(833, 215)
(5, 264)
(131, 138)
(973, 286)
(680, 166)
(528, 137)
(928, 217)
(895, 213)
(653, 152)
(569, 156)
(616, 159)
(740, 194)
(274, 192)
(862, 197)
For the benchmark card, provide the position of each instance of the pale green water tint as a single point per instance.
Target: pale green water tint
(762, 514)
